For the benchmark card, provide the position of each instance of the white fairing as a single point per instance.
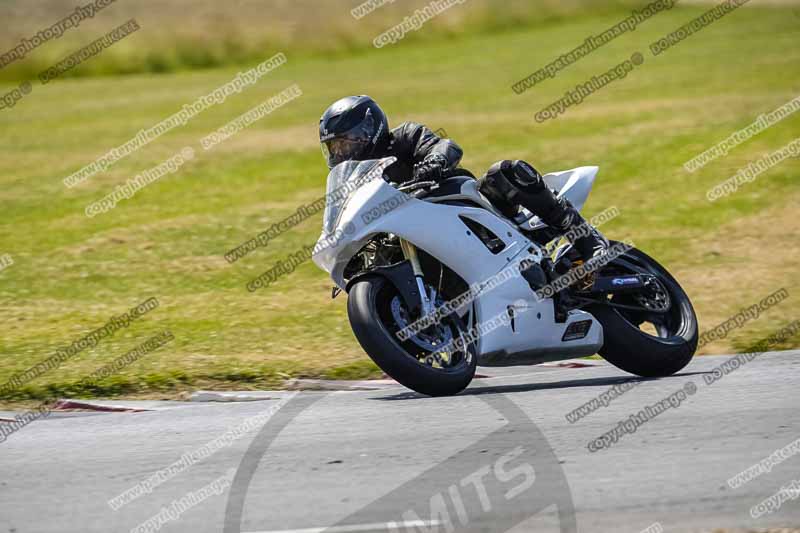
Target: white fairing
(534, 335)
(575, 185)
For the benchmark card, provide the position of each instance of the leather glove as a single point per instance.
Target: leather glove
(431, 168)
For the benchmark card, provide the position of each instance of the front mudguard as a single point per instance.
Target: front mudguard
(401, 276)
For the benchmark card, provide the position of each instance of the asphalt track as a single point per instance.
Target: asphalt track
(501, 455)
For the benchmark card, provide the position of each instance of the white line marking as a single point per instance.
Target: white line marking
(377, 526)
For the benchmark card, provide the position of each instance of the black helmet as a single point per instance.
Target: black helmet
(351, 128)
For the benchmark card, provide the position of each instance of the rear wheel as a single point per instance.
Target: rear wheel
(652, 332)
(429, 362)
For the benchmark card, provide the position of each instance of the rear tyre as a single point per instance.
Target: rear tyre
(376, 314)
(646, 343)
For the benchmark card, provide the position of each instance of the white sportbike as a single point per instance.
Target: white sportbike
(439, 281)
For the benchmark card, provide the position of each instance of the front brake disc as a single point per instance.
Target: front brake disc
(431, 339)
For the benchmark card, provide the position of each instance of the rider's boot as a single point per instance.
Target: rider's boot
(567, 220)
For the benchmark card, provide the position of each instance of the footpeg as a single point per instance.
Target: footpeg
(533, 273)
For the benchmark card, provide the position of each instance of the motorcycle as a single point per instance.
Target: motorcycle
(439, 281)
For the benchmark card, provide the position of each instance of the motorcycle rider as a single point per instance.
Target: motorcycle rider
(355, 128)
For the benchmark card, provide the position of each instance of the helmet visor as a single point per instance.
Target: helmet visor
(343, 149)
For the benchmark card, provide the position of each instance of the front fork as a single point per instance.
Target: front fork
(411, 254)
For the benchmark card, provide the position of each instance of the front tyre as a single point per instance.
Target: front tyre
(376, 314)
(658, 339)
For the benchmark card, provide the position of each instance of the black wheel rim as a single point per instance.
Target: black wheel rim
(663, 315)
(424, 348)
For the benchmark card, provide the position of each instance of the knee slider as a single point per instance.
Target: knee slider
(525, 176)
(507, 184)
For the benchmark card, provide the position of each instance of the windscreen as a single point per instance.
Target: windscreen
(344, 180)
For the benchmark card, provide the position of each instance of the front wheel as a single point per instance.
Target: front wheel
(651, 333)
(428, 362)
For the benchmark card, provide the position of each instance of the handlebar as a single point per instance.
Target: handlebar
(415, 185)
